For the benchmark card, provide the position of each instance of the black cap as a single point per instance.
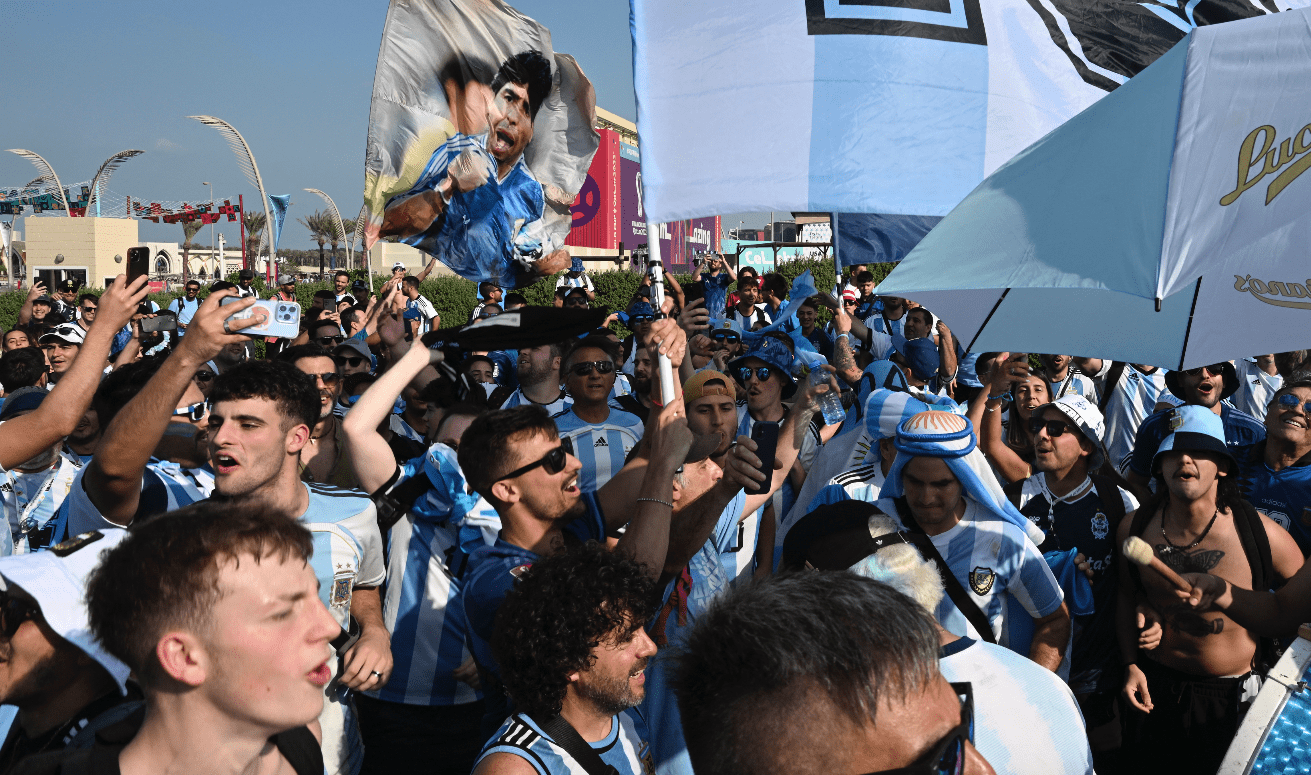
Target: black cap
(359, 285)
(67, 286)
(246, 274)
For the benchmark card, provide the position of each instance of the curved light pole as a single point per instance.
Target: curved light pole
(101, 179)
(336, 216)
(246, 160)
(47, 174)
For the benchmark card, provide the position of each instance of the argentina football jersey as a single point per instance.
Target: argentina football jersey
(625, 748)
(601, 447)
(165, 486)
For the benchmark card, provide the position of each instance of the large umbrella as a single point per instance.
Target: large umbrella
(1165, 225)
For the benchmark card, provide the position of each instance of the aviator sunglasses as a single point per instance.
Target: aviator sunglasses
(585, 369)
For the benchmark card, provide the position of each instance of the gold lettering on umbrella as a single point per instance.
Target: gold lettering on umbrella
(1254, 164)
(1261, 289)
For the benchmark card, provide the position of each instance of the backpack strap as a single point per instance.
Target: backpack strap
(499, 396)
(1112, 379)
(1256, 546)
(959, 597)
(565, 736)
(301, 750)
(1109, 494)
(392, 504)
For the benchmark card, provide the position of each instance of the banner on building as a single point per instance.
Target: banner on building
(480, 137)
(896, 106)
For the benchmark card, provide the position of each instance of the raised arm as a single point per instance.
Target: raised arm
(113, 482)
(25, 313)
(370, 455)
(1003, 377)
(647, 538)
(23, 438)
(790, 438)
(844, 353)
(423, 275)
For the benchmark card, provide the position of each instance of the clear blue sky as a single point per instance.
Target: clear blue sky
(89, 78)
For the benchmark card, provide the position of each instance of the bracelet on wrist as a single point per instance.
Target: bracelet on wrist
(655, 500)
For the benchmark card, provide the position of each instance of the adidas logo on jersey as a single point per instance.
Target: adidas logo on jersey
(601, 442)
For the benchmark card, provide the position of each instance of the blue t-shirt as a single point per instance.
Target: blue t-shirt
(716, 295)
(1284, 495)
(1241, 429)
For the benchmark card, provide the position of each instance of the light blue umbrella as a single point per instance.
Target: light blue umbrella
(1164, 225)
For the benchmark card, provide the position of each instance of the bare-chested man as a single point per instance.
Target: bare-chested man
(1188, 694)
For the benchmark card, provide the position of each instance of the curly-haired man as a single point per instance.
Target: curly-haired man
(573, 656)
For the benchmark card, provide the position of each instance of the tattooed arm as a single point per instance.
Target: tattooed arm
(844, 356)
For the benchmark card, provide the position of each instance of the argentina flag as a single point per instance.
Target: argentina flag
(874, 106)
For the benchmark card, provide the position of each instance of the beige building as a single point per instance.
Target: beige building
(87, 250)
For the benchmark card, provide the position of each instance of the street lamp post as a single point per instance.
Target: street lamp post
(218, 267)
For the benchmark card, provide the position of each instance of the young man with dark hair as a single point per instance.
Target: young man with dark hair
(602, 435)
(870, 688)
(62, 345)
(745, 314)
(807, 315)
(1186, 697)
(214, 609)
(341, 281)
(490, 294)
(539, 380)
(774, 293)
(186, 306)
(260, 420)
(419, 313)
(324, 457)
(24, 367)
(65, 685)
(87, 305)
(573, 653)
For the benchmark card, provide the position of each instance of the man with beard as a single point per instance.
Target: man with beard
(1276, 472)
(1205, 386)
(476, 203)
(1187, 696)
(573, 654)
(1065, 379)
(601, 434)
(260, 421)
(539, 380)
(341, 286)
(325, 457)
(64, 683)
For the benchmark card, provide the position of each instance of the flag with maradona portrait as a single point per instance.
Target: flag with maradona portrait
(480, 137)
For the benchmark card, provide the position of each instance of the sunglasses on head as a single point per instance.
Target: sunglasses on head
(762, 373)
(194, 413)
(203, 376)
(329, 378)
(1054, 427)
(1289, 401)
(13, 612)
(1215, 369)
(947, 757)
(585, 369)
(731, 337)
(552, 462)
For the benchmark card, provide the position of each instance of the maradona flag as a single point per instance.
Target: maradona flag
(884, 106)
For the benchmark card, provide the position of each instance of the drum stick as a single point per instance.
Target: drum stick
(1139, 551)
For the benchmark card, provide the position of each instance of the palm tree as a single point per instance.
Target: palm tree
(255, 223)
(334, 236)
(317, 223)
(189, 231)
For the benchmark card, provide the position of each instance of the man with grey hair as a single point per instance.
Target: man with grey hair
(855, 658)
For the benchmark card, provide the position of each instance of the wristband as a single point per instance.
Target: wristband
(846, 334)
(998, 397)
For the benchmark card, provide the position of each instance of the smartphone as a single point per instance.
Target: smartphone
(160, 322)
(693, 291)
(765, 435)
(138, 263)
(276, 317)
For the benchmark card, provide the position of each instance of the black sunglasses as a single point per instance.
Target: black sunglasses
(762, 373)
(13, 612)
(585, 369)
(329, 378)
(1054, 427)
(642, 318)
(552, 462)
(329, 341)
(203, 376)
(948, 756)
(731, 337)
(1216, 369)
(352, 361)
(194, 413)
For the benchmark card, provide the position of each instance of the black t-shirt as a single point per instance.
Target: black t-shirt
(18, 746)
(298, 746)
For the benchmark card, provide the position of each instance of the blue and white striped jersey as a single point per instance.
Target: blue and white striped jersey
(625, 748)
(895, 329)
(559, 405)
(1255, 388)
(581, 281)
(31, 501)
(747, 321)
(739, 559)
(1134, 396)
(997, 564)
(165, 486)
(1076, 383)
(861, 483)
(425, 566)
(686, 597)
(600, 447)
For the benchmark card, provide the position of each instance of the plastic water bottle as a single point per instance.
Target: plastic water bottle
(830, 403)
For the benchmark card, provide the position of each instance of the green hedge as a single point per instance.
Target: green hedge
(455, 297)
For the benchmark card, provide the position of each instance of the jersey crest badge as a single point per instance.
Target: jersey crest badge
(1176, 420)
(1100, 525)
(981, 580)
(341, 591)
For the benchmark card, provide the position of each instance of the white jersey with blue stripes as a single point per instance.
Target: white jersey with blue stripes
(996, 563)
(561, 403)
(1133, 398)
(165, 486)
(1255, 388)
(32, 500)
(601, 447)
(1076, 383)
(625, 748)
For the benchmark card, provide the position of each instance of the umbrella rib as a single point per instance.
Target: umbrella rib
(1183, 351)
(991, 312)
